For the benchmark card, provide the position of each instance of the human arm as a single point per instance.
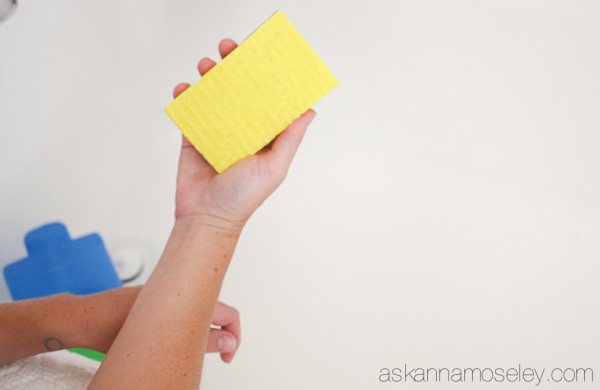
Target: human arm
(162, 341)
(69, 321)
(62, 321)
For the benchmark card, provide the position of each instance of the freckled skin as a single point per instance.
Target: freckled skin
(210, 212)
(68, 321)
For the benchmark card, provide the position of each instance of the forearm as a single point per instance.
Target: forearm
(26, 327)
(163, 340)
(162, 343)
(62, 321)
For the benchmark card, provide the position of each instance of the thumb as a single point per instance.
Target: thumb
(286, 144)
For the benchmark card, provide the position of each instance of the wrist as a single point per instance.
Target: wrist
(209, 223)
(103, 315)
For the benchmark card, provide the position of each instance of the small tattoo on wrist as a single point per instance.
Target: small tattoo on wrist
(53, 344)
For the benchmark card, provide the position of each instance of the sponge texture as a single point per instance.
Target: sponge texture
(245, 101)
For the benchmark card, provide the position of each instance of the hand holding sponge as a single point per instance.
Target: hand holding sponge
(244, 102)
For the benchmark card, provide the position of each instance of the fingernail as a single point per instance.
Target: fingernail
(314, 115)
(226, 344)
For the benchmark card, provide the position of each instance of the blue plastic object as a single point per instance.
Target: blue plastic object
(58, 264)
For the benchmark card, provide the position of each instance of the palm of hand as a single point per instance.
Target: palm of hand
(232, 197)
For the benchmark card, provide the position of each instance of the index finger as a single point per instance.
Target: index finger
(228, 318)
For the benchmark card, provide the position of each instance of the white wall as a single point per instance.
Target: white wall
(444, 210)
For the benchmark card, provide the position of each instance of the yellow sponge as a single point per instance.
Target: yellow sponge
(245, 101)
